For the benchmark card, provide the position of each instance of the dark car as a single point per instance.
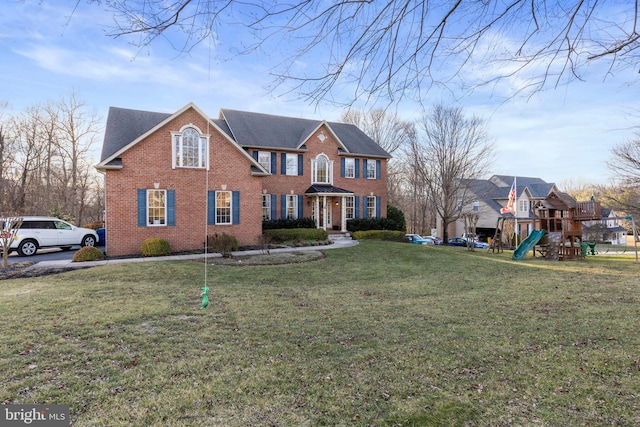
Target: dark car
(461, 241)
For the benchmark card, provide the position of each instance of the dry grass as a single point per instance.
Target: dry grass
(377, 334)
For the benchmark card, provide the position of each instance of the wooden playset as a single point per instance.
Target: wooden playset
(562, 216)
(557, 227)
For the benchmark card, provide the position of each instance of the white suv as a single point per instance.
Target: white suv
(45, 232)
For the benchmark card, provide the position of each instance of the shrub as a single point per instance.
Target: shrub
(397, 236)
(296, 235)
(223, 244)
(264, 241)
(155, 246)
(397, 216)
(88, 253)
(282, 223)
(364, 224)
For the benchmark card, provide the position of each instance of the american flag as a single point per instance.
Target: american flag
(512, 197)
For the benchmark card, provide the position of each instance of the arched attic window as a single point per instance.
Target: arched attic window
(322, 170)
(190, 148)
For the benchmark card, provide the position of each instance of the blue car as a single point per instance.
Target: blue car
(419, 240)
(461, 241)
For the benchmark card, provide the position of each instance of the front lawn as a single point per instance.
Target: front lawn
(378, 334)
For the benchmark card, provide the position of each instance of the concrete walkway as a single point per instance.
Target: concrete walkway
(343, 243)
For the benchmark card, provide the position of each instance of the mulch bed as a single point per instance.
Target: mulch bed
(21, 269)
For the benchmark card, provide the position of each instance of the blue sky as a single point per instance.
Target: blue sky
(49, 50)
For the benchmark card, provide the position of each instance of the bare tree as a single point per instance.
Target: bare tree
(625, 161)
(470, 221)
(28, 158)
(391, 133)
(623, 194)
(9, 226)
(77, 129)
(579, 189)
(49, 126)
(4, 157)
(413, 190)
(385, 128)
(395, 184)
(45, 164)
(396, 48)
(450, 152)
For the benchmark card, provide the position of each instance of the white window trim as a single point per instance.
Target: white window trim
(294, 160)
(371, 166)
(523, 205)
(350, 207)
(371, 199)
(267, 157)
(266, 206)
(292, 201)
(224, 207)
(352, 161)
(176, 138)
(314, 170)
(148, 219)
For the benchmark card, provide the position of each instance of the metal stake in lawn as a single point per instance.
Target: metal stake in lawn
(205, 297)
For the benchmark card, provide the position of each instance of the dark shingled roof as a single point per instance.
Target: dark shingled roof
(537, 186)
(124, 126)
(289, 133)
(247, 129)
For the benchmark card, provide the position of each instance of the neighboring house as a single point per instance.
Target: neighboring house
(183, 176)
(606, 230)
(490, 195)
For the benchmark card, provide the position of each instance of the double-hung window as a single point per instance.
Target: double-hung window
(156, 207)
(349, 207)
(292, 164)
(264, 158)
(371, 169)
(292, 206)
(266, 207)
(371, 206)
(349, 168)
(190, 148)
(524, 205)
(223, 207)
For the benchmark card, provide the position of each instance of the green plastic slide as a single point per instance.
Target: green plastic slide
(527, 244)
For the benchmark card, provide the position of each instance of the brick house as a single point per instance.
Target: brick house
(183, 176)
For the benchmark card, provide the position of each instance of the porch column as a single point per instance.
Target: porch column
(316, 210)
(324, 212)
(343, 214)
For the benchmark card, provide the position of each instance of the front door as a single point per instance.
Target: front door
(327, 215)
